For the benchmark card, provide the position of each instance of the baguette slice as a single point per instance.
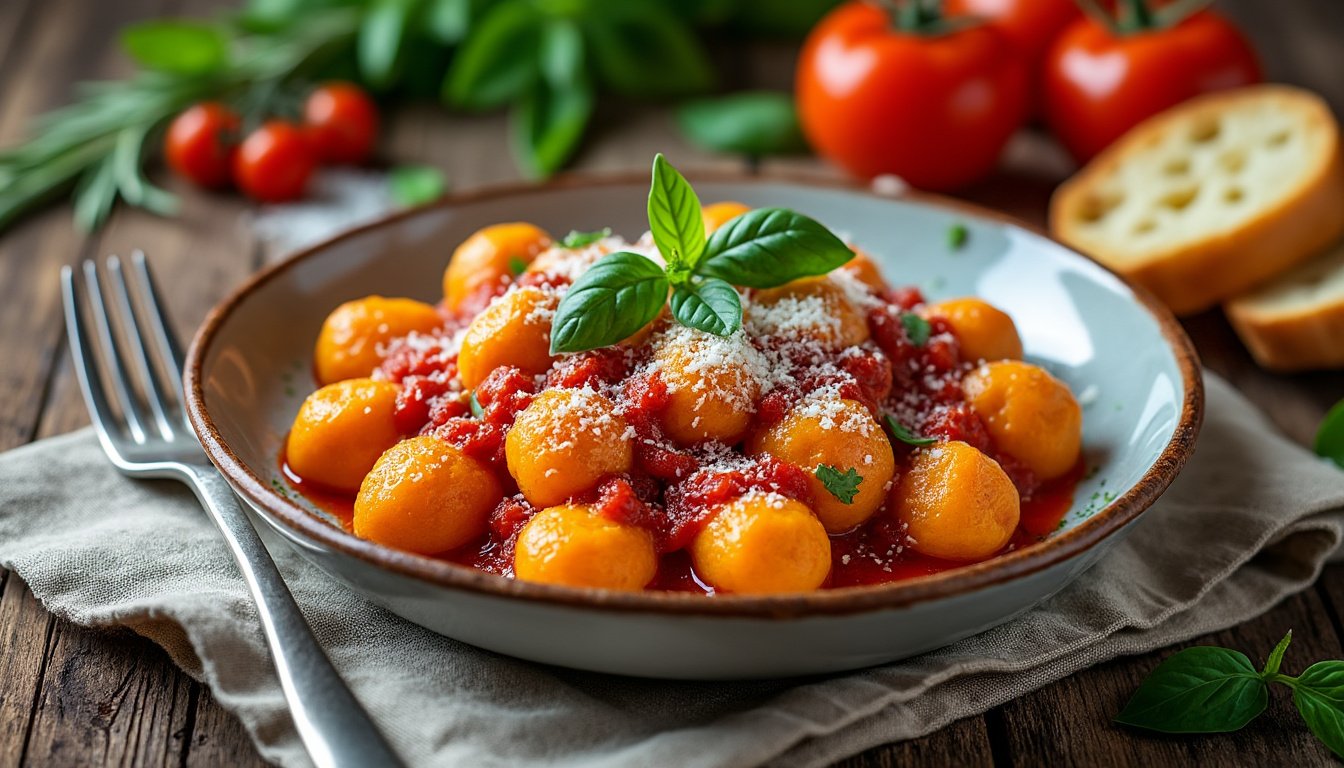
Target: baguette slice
(1296, 322)
(1206, 200)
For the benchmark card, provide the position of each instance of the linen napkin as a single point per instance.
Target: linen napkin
(1252, 519)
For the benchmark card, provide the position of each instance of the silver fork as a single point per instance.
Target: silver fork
(158, 442)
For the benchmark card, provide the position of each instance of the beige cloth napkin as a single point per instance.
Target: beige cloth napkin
(1251, 520)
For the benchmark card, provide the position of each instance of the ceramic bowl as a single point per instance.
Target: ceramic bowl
(1122, 354)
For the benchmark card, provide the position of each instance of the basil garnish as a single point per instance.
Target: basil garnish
(623, 292)
(709, 305)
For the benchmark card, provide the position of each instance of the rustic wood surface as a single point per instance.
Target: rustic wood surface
(75, 696)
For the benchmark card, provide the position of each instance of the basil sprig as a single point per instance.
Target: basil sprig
(1214, 690)
(625, 291)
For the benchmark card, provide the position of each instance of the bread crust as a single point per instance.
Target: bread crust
(1309, 336)
(1197, 275)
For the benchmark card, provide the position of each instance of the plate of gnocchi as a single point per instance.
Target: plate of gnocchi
(708, 429)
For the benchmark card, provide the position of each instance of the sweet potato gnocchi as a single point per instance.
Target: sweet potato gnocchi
(841, 432)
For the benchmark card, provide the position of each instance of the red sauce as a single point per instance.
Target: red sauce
(671, 490)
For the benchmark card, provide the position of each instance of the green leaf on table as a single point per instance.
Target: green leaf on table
(380, 40)
(917, 329)
(755, 123)
(641, 49)
(498, 61)
(844, 486)
(548, 124)
(412, 185)
(576, 239)
(1330, 437)
(609, 302)
(767, 247)
(1275, 659)
(176, 47)
(709, 305)
(1319, 696)
(1198, 690)
(132, 185)
(674, 219)
(905, 434)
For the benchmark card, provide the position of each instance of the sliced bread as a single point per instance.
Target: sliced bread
(1208, 199)
(1296, 321)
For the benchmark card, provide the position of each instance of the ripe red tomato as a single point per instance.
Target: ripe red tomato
(1030, 25)
(1099, 85)
(935, 109)
(274, 162)
(343, 122)
(201, 142)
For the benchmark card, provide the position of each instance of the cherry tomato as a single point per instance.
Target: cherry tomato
(1030, 25)
(935, 109)
(274, 162)
(1099, 84)
(343, 122)
(201, 142)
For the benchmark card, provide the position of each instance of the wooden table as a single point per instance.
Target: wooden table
(75, 696)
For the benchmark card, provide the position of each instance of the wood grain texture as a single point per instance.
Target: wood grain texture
(75, 696)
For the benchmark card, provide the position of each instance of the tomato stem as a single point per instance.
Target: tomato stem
(914, 16)
(1135, 15)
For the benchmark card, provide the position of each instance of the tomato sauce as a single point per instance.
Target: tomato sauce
(672, 490)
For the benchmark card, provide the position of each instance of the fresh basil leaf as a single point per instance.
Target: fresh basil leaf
(710, 305)
(756, 123)
(609, 302)
(917, 329)
(176, 47)
(416, 184)
(1198, 690)
(768, 247)
(380, 40)
(1319, 696)
(498, 61)
(1275, 659)
(447, 21)
(956, 236)
(577, 239)
(548, 124)
(642, 50)
(844, 486)
(905, 434)
(674, 219)
(476, 410)
(561, 54)
(1330, 436)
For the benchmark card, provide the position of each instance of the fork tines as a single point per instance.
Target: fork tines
(126, 359)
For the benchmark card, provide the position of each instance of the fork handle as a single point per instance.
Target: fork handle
(335, 729)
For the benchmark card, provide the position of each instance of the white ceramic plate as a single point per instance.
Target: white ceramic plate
(1124, 355)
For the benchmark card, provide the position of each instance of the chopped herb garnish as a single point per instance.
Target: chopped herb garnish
(905, 435)
(517, 265)
(842, 485)
(476, 410)
(577, 239)
(956, 236)
(916, 328)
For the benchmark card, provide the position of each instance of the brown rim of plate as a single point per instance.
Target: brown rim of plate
(1007, 567)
